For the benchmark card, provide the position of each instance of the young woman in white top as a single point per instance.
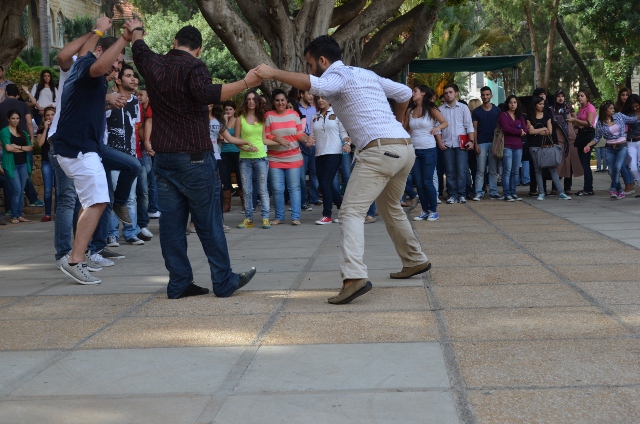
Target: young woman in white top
(327, 133)
(42, 95)
(423, 121)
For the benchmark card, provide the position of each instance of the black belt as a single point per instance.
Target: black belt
(616, 146)
(634, 139)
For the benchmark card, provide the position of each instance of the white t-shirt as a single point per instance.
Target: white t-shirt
(328, 132)
(46, 95)
(63, 77)
(420, 131)
(214, 130)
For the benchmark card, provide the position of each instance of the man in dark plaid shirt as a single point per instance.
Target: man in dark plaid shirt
(180, 88)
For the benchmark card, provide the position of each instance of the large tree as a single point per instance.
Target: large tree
(276, 31)
(11, 42)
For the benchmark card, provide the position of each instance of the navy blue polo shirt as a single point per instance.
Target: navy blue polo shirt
(81, 125)
(487, 121)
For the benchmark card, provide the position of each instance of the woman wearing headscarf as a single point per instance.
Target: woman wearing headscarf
(562, 111)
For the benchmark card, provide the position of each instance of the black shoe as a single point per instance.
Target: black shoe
(533, 194)
(245, 277)
(193, 290)
(110, 254)
(122, 213)
(143, 237)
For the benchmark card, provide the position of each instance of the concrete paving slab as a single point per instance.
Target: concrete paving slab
(269, 265)
(625, 272)
(381, 407)
(509, 296)
(48, 307)
(345, 367)
(111, 284)
(34, 334)
(587, 405)
(464, 259)
(554, 363)
(328, 263)
(530, 323)
(596, 245)
(134, 372)
(628, 314)
(378, 299)
(204, 331)
(322, 280)
(625, 293)
(15, 365)
(155, 410)
(353, 327)
(578, 258)
(492, 275)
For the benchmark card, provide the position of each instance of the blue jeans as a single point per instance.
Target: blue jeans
(309, 156)
(153, 190)
(526, 171)
(66, 199)
(615, 160)
(423, 170)
(510, 168)
(278, 179)
(129, 167)
(457, 168)
(601, 158)
(345, 172)
(408, 188)
(185, 187)
(260, 169)
(326, 170)
(142, 191)
(18, 182)
(483, 159)
(129, 231)
(372, 210)
(47, 180)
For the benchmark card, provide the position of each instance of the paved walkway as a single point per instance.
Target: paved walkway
(525, 317)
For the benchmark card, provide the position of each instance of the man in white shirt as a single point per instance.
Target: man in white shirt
(384, 155)
(456, 158)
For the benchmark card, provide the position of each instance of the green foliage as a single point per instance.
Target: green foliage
(23, 74)
(32, 56)
(185, 9)
(77, 27)
(163, 27)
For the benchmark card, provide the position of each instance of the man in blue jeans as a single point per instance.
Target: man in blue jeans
(184, 163)
(485, 120)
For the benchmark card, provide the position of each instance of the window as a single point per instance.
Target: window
(52, 37)
(60, 27)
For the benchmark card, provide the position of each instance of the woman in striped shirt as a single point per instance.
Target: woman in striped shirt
(283, 129)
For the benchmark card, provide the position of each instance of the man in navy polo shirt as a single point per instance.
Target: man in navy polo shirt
(80, 129)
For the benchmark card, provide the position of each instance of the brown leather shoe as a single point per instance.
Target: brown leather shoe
(410, 271)
(351, 291)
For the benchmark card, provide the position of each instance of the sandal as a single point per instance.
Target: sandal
(295, 222)
(21, 219)
(15, 221)
(276, 222)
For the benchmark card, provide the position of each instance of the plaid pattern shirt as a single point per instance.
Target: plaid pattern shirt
(180, 89)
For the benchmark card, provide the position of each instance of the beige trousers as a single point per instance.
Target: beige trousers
(382, 178)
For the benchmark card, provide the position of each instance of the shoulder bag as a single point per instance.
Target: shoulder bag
(549, 155)
(497, 148)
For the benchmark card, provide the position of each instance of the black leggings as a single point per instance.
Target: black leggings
(230, 163)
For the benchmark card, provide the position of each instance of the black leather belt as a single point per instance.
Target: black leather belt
(617, 145)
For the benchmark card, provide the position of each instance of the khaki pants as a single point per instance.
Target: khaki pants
(383, 179)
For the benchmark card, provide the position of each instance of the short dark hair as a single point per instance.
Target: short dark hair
(230, 103)
(324, 46)
(13, 112)
(602, 112)
(190, 37)
(485, 88)
(106, 42)
(12, 90)
(538, 91)
(586, 94)
(276, 92)
(2, 67)
(454, 86)
(124, 68)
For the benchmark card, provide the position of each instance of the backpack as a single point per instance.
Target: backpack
(497, 148)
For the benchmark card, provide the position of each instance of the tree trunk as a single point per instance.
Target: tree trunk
(595, 94)
(534, 44)
(45, 37)
(11, 42)
(550, 43)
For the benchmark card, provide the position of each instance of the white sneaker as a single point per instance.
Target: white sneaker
(439, 201)
(477, 198)
(80, 273)
(91, 266)
(98, 259)
(462, 200)
(226, 228)
(62, 260)
(154, 215)
(145, 232)
(336, 221)
(112, 241)
(423, 216)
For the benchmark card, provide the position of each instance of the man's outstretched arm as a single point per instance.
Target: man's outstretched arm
(294, 79)
(82, 45)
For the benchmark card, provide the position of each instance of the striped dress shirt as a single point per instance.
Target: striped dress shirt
(358, 97)
(289, 127)
(180, 88)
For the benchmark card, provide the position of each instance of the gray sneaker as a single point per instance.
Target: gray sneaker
(62, 260)
(110, 254)
(91, 266)
(100, 260)
(122, 213)
(80, 273)
(135, 241)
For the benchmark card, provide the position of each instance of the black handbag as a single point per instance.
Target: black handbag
(584, 137)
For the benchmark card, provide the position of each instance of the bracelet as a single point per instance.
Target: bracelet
(98, 32)
(245, 83)
(137, 29)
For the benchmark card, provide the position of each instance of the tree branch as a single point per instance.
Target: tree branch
(550, 43)
(343, 14)
(11, 42)
(255, 11)
(534, 43)
(370, 18)
(595, 94)
(386, 34)
(414, 44)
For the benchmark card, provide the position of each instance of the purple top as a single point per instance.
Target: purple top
(512, 130)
